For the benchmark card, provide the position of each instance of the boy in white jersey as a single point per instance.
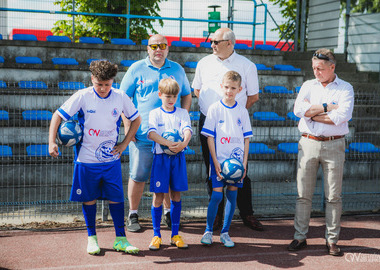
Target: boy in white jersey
(227, 128)
(168, 170)
(97, 166)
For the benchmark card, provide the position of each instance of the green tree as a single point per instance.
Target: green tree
(108, 27)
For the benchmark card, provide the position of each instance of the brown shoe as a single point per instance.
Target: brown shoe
(296, 245)
(253, 223)
(217, 223)
(333, 249)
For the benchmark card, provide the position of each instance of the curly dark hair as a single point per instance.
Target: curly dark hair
(103, 70)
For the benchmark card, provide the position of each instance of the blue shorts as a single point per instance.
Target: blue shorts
(220, 183)
(140, 161)
(97, 181)
(168, 170)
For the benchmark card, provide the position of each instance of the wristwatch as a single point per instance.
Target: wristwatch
(324, 107)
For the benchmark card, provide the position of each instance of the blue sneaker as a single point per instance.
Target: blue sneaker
(207, 238)
(226, 240)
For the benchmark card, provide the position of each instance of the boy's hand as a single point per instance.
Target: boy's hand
(218, 170)
(177, 147)
(53, 149)
(245, 172)
(118, 149)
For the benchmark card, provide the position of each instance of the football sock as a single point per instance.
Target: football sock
(175, 215)
(117, 213)
(156, 220)
(216, 198)
(229, 209)
(89, 213)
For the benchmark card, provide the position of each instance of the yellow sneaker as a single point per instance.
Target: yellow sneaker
(178, 241)
(156, 243)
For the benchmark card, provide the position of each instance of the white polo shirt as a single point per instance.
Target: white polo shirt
(209, 74)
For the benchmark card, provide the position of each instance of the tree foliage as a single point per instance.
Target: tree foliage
(108, 27)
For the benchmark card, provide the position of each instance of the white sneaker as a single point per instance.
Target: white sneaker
(92, 245)
(207, 238)
(226, 240)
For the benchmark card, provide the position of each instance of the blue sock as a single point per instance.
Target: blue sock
(229, 210)
(156, 220)
(117, 213)
(89, 213)
(216, 198)
(175, 215)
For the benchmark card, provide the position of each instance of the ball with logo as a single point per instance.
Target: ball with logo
(172, 135)
(69, 133)
(232, 170)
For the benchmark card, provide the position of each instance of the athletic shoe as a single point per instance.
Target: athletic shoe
(168, 220)
(178, 241)
(92, 245)
(133, 223)
(156, 243)
(207, 238)
(121, 244)
(226, 240)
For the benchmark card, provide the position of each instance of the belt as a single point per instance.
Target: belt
(322, 138)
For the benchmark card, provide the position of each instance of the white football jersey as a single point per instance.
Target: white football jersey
(229, 126)
(100, 120)
(161, 120)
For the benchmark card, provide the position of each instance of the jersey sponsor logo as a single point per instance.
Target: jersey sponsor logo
(115, 112)
(100, 133)
(103, 153)
(91, 111)
(237, 153)
(140, 82)
(161, 125)
(221, 121)
(227, 140)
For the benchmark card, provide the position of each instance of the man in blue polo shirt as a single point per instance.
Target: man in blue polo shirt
(141, 84)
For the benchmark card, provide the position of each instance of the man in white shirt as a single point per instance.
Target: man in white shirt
(208, 77)
(325, 106)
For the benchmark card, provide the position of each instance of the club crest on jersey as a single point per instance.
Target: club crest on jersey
(237, 153)
(115, 112)
(239, 122)
(103, 153)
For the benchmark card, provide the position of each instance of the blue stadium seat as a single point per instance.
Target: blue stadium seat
(289, 148)
(116, 85)
(144, 42)
(1, 59)
(32, 85)
(64, 39)
(28, 60)
(292, 116)
(122, 41)
(64, 61)
(297, 89)
(38, 150)
(267, 116)
(260, 148)
(71, 85)
(4, 115)
(364, 147)
(262, 67)
(3, 84)
(189, 151)
(127, 63)
(190, 64)
(36, 115)
(1, 36)
(90, 60)
(178, 43)
(194, 115)
(242, 46)
(91, 40)
(205, 45)
(266, 47)
(5, 151)
(286, 68)
(277, 90)
(26, 37)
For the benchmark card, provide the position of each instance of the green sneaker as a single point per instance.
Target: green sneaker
(121, 244)
(92, 245)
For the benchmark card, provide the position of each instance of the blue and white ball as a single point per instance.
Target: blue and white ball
(69, 133)
(232, 170)
(172, 135)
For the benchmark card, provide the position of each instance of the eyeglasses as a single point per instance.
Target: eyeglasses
(321, 56)
(216, 42)
(155, 46)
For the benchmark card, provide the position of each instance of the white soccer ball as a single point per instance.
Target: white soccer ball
(69, 133)
(172, 135)
(232, 170)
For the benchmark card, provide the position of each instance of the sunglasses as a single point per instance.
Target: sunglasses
(216, 42)
(155, 46)
(321, 56)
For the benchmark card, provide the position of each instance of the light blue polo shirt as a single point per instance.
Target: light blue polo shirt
(141, 84)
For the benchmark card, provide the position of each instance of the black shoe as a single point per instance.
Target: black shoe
(251, 222)
(168, 220)
(133, 223)
(296, 245)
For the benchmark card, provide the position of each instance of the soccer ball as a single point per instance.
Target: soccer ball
(171, 135)
(232, 170)
(69, 133)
